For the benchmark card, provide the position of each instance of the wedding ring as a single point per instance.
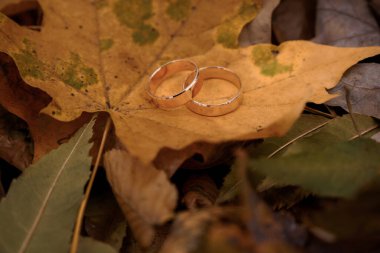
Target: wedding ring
(214, 72)
(165, 71)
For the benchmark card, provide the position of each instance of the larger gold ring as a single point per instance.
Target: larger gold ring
(215, 72)
(165, 71)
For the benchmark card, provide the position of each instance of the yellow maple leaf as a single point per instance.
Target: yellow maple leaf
(95, 56)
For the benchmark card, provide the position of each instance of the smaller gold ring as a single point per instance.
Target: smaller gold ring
(165, 71)
(215, 72)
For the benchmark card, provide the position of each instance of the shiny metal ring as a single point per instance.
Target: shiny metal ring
(215, 72)
(165, 71)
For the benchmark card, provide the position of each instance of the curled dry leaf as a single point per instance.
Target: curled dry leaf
(101, 62)
(200, 191)
(144, 193)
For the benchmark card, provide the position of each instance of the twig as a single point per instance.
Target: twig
(312, 110)
(298, 137)
(364, 132)
(331, 111)
(78, 223)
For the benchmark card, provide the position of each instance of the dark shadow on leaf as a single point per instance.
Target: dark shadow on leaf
(25, 13)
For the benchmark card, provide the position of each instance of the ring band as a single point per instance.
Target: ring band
(165, 71)
(215, 72)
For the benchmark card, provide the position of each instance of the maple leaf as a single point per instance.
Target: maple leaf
(97, 55)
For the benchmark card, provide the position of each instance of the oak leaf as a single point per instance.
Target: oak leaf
(96, 56)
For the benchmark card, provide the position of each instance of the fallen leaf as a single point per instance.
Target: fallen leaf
(337, 129)
(362, 84)
(350, 23)
(288, 26)
(144, 193)
(15, 146)
(260, 29)
(308, 133)
(202, 156)
(346, 23)
(43, 202)
(305, 125)
(88, 245)
(81, 74)
(354, 164)
(26, 102)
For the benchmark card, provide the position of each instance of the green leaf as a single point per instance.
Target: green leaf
(309, 133)
(336, 170)
(39, 211)
(312, 129)
(89, 245)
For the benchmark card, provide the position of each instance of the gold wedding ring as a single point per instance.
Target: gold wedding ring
(214, 72)
(167, 70)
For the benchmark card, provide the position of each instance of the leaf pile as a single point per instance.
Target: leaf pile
(294, 169)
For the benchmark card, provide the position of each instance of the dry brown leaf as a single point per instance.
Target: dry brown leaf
(101, 62)
(26, 102)
(144, 193)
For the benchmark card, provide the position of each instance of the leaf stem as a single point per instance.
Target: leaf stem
(295, 139)
(82, 208)
(364, 132)
(312, 110)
